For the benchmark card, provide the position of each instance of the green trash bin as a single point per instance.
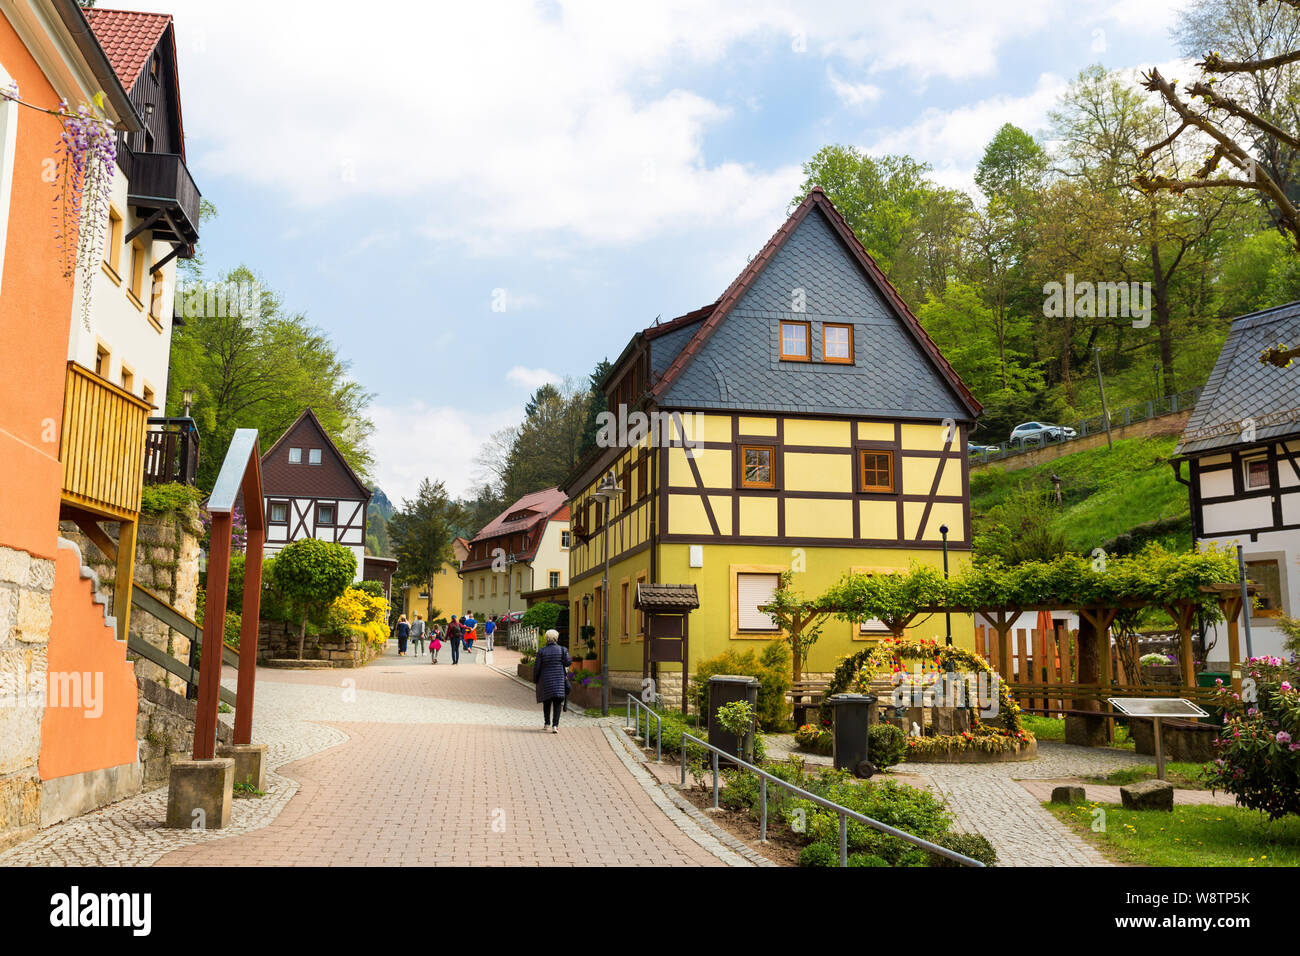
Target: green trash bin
(1207, 679)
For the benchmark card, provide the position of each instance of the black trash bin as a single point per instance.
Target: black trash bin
(726, 689)
(853, 715)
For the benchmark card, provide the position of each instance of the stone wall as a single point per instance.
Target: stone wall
(278, 641)
(26, 612)
(167, 564)
(165, 729)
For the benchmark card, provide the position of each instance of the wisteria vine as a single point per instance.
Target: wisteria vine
(83, 161)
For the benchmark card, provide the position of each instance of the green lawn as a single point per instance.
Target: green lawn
(1104, 492)
(1189, 836)
(1187, 776)
(1053, 728)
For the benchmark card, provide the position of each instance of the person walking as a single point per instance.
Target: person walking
(551, 675)
(435, 642)
(454, 635)
(471, 630)
(417, 635)
(488, 630)
(403, 632)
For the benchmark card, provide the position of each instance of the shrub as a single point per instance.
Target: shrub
(866, 859)
(169, 498)
(816, 738)
(310, 575)
(1291, 641)
(373, 588)
(819, 854)
(542, 616)
(974, 845)
(361, 613)
(886, 745)
(233, 624)
(771, 667)
(1259, 747)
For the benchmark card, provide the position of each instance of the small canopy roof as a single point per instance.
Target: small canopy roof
(666, 597)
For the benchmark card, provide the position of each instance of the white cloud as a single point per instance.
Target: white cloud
(853, 94)
(416, 441)
(513, 119)
(531, 378)
(954, 140)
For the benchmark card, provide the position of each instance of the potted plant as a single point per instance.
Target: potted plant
(588, 662)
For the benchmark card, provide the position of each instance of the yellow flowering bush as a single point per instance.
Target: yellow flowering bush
(364, 614)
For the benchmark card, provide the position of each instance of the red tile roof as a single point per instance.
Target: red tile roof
(128, 39)
(539, 505)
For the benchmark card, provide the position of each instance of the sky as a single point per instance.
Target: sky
(473, 199)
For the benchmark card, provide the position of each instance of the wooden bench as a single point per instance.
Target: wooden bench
(804, 695)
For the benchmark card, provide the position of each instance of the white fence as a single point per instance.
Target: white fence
(522, 638)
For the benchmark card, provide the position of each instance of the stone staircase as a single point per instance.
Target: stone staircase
(88, 574)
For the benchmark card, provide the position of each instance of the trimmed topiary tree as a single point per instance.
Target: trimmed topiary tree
(312, 575)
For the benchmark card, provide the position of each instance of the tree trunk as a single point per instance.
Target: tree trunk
(302, 636)
(1162, 316)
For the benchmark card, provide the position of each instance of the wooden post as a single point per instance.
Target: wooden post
(125, 578)
(1183, 615)
(214, 626)
(248, 630)
(1231, 607)
(1022, 655)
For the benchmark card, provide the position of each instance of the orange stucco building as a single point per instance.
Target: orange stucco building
(67, 727)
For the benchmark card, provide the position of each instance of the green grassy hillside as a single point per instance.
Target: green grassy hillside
(1116, 499)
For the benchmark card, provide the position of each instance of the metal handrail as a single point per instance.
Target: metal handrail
(650, 712)
(844, 812)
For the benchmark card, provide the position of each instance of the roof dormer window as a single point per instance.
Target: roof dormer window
(295, 456)
(313, 456)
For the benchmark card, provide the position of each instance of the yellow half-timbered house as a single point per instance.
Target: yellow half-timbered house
(804, 421)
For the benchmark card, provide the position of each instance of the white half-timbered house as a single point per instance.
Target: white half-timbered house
(1242, 446)
(312, 492)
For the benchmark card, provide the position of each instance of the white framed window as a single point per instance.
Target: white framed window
(1256, 473)
(313, 456)
(753, 591)
(553, 579)
(565, 539)
(295, 456)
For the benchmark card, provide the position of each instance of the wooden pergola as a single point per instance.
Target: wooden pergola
(1093, 684)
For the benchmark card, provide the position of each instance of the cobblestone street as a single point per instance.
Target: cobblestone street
(404, 762)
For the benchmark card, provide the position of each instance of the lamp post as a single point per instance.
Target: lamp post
(607, 491)
(187, 398)
(947, 617)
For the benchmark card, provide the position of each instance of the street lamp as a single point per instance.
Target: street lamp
(947, 617)
(607, 491)
(187, 398)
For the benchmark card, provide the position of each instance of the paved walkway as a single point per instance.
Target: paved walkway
(404, 762)
(1003, 801)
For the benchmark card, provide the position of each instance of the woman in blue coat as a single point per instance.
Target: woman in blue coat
(550, 674)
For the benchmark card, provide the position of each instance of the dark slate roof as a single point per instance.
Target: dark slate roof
(731, 360)
(1242, 387)
(666, 597)
(332, 478)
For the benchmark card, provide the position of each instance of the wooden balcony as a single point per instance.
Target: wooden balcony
(102, 446)
(163, 194)
(171, 451)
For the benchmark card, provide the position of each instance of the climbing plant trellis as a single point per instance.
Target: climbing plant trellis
(1177, 584)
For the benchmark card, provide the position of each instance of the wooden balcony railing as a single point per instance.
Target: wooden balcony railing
(102, 446)
(171, 451)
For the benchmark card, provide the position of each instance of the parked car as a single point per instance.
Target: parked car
(982, 449)
(1044, 432)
